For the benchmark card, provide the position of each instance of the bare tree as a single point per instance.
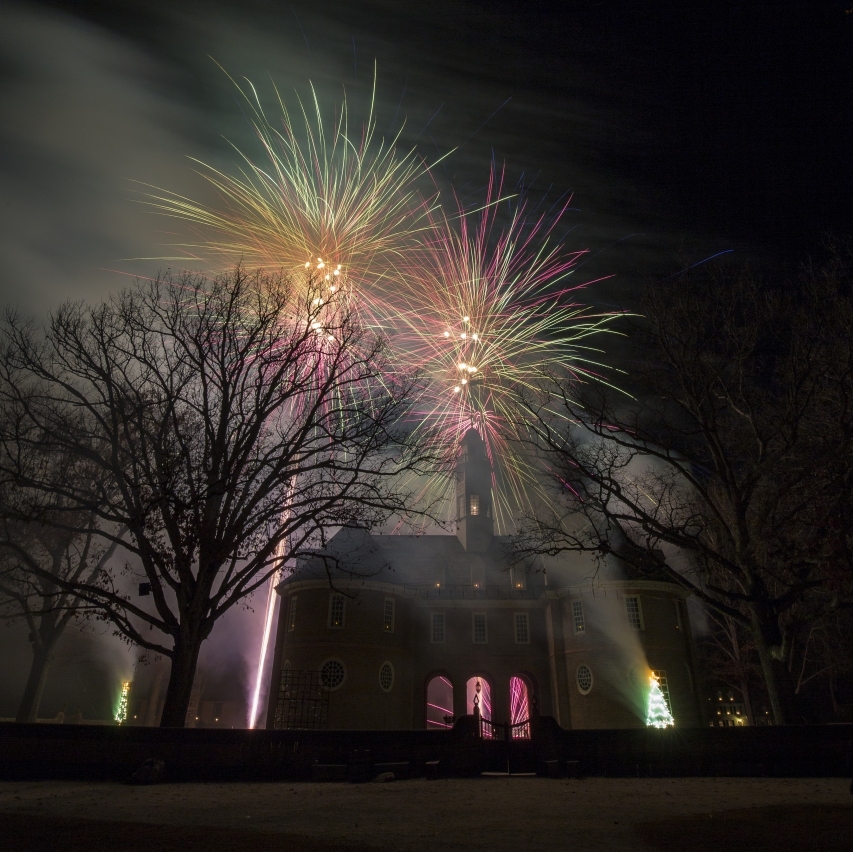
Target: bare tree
(730, 474)
(233, 421)
(40, 562)
(729, 659)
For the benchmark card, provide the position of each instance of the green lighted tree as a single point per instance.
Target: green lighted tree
(658, 715)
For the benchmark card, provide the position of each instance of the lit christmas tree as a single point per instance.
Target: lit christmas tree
(121, 712)
(658, 715)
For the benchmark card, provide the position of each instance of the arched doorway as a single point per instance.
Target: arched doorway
(519, 707)
(485, 701)
(485, 696)
(439, 703)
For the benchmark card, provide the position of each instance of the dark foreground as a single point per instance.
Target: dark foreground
(105, 753)
(490, 813)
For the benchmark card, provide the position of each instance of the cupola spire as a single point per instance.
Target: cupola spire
(474, 515)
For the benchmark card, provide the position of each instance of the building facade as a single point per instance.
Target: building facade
(403, 629)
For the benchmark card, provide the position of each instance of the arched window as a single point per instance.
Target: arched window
(485, 697)
(439, 703)
(519, 707)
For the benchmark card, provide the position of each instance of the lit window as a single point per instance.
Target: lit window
(635, 614)
(388, 616)
(474, 504)
(386, 676)
(336, 611)
(291, 614)
(522, 628)
(584, 679)
(660, 676)
(577, 616)
(437, 632)
(479, 625)
(332, 674)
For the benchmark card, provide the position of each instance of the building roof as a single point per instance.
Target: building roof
(408, 560)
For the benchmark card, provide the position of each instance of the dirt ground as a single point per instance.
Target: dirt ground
(495, 814)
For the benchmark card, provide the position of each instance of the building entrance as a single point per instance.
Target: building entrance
(439, 704)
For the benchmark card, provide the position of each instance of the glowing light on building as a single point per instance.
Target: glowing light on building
(658, 715)
(124, 697)
(519, 708)
(439, 703)
(485, 697)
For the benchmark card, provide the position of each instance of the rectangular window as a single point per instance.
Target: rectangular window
(660, 674)
(678, 624)
(577, 616)
(388, 616)
(479, 628)
(474, 503)
(437, 632)
(635, 614)
(522, 628)
(336, 611)
(291, 614)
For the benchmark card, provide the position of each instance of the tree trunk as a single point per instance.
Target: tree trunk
(777, 677)
(29, 706)
(747, 701)
(181, 677)
(154, 697)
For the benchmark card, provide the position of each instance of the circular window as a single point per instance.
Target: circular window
(584, 678)
(332, 674)
(386, 676)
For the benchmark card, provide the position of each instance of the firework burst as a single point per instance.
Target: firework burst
(486, 311)
(318, 198)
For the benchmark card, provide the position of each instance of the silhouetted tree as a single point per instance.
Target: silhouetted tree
(41, 561)
(232, 422)
(731, 473)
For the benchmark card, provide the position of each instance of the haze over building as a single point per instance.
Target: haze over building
(400, 630)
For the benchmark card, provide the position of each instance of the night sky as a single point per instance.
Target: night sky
(682, 129)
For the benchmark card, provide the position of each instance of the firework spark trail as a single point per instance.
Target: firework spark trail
(487, 314)
(313, 193)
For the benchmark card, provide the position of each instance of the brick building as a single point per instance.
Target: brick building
(409, 625)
